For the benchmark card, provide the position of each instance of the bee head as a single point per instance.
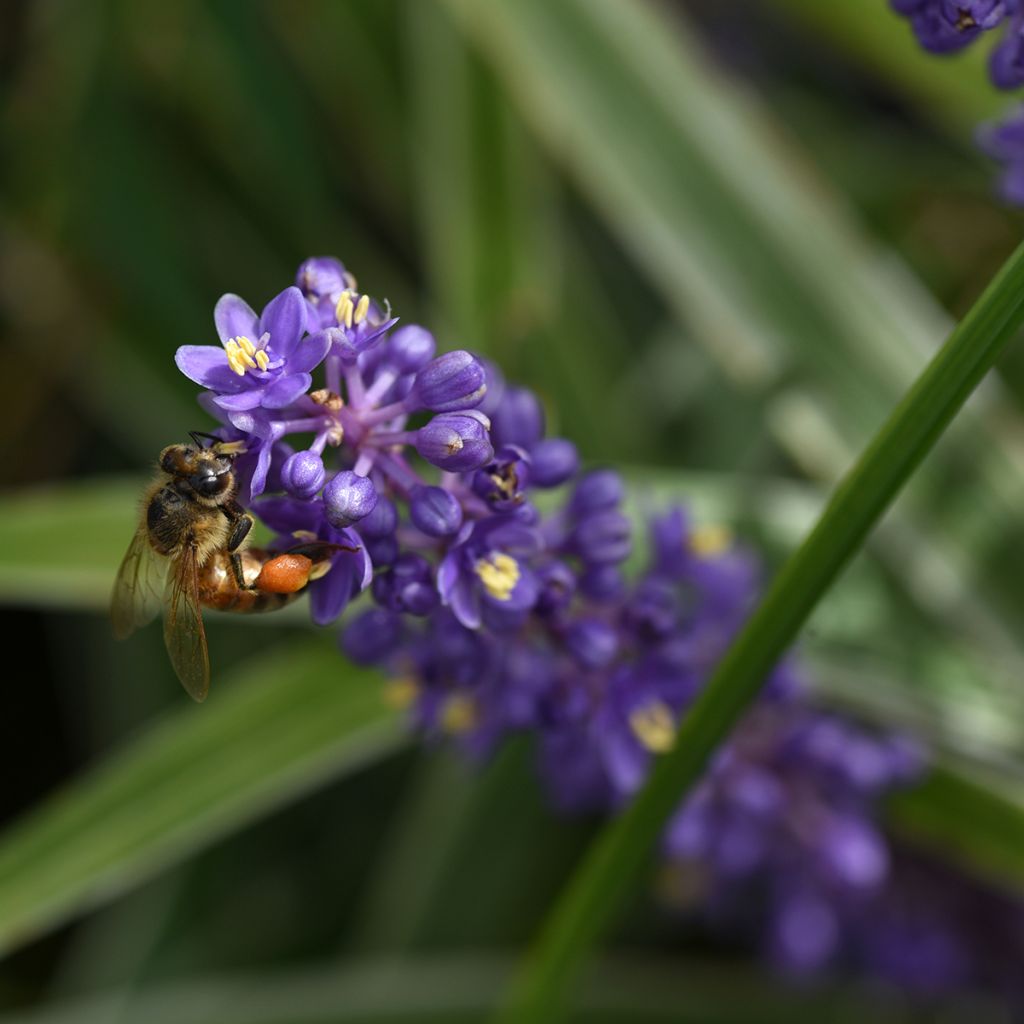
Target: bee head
(208, 471)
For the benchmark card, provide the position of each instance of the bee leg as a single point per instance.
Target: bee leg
(236, 571)
(241, 523)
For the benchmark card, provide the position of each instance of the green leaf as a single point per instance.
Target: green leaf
(292, 721)
(908, 434)
(457, 989)
(61, 544)
(967, 814)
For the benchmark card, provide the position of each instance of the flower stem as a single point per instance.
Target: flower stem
(612, 866)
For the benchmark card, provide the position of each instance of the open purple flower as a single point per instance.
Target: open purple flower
(265, 360)
(481, 568)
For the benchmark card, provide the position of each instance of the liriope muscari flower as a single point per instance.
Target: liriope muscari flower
(495, 613)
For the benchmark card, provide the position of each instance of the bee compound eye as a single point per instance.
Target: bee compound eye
(206, 482)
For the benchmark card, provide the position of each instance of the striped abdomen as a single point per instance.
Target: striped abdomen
(219, 589)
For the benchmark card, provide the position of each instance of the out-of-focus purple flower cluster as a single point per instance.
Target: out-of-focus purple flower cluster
(499, 607)
(947, 26)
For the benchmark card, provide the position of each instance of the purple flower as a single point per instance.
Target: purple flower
(500, 613)
(264, 361)
(321, 280)
(484, 567)
(354, 326)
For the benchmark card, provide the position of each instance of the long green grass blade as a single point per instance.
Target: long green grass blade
(282, 727)
(861, 498)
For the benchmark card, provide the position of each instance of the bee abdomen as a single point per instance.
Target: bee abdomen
(244, 601)
(219, 589)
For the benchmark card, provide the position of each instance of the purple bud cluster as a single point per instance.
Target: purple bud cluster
(498, 607)
(946, 26)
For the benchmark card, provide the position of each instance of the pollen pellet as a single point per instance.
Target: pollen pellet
(284, 574)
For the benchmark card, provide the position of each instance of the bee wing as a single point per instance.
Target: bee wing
(138, 589)
(184, 633)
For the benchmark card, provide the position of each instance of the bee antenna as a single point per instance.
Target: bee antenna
(196, 435)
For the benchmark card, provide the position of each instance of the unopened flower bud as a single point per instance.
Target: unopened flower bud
(553, 461)
(592, 643)
(449, 383)
(348, 498)
(380, 521)
(302, 475)
(409, 349)
(518, 419)
(435, 511)
(455, 441)
(598, 490)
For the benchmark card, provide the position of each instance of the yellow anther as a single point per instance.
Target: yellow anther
(654, 726)
(710, 540)
(400, 693)
(458, 715)
(343, 310)
(235, 354)
(245, 345)
(361, 309)
(238, 358)
(499, 574)
(262, 359)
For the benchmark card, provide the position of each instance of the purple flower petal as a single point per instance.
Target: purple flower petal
(464, 601)
(258, 482)
(208, 365)
(284, 318)
(309, 353)
(242, 401)
(329, 595)
(286, 515)
(234, 316)
(285, 390)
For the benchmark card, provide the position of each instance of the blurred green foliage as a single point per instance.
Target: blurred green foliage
(718, 243)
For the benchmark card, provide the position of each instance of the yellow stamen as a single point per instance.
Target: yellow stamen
(499, 574)
(458, 715)
(343, 310)
(708, 541)
(400, 693)
(262, 359)
(234, 354)
(245, 345)
(654, 726)
(364, 305)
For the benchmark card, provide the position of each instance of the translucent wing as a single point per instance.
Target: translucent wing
(184, 633)
(139, 587)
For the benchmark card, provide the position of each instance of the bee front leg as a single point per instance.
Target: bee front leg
(241, 523)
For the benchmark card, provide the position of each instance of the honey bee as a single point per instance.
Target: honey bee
(190, 550)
